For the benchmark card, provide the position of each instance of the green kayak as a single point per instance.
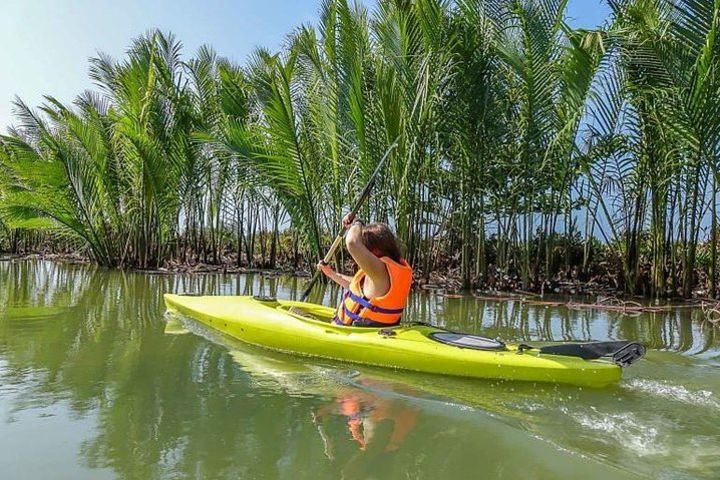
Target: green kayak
(305, 329)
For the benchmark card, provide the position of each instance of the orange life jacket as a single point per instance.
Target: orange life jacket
(377, 311)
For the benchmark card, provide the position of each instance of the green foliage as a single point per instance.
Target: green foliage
(511, 126)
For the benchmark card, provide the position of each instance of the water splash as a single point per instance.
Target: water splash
(679, 393)
(625, 429)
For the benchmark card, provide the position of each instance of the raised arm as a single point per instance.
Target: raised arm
(366, 260)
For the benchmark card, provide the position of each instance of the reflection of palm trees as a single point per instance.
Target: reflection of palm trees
(157, 399)
(179, 405)
(679, 330)
(109, 353)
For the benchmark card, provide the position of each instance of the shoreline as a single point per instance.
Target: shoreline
(573, 297)
(448, 286)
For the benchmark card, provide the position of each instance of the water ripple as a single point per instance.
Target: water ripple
(678, 393)
(626, 429)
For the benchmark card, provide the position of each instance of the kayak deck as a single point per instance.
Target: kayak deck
(272, 324)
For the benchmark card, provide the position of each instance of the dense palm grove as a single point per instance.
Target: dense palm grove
(525, 148)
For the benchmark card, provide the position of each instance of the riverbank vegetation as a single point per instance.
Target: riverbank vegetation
(528, 151)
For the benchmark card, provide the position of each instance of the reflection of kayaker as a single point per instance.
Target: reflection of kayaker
(364, 412)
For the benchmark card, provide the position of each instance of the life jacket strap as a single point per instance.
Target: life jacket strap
(359, 321)
(363, 302)
(352, 315)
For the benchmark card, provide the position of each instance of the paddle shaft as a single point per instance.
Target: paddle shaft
(339, 238)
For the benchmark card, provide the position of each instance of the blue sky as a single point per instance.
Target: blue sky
(46, 43)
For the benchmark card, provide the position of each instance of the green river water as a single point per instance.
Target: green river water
(96, 383)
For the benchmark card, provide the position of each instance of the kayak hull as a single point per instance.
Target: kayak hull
(272, 325)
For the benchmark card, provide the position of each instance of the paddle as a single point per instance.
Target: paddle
(358, 205)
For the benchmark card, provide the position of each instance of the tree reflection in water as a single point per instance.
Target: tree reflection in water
(179, 406)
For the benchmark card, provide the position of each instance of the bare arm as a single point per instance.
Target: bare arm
(366, 260)
(339, 278)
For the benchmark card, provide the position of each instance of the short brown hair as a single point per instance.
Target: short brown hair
(379, 239)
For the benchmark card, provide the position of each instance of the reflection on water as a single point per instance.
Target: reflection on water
(95, 383)
(365, 413)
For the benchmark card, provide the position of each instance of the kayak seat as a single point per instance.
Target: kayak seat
(302, 313)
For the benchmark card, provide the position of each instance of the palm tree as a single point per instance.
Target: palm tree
(511, 126)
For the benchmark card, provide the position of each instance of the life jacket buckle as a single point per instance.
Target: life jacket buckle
(386, 332)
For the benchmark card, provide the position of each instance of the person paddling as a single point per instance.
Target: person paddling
(377, 294)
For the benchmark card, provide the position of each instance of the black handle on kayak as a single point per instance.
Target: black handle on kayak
(358, 205)
(623, 353)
